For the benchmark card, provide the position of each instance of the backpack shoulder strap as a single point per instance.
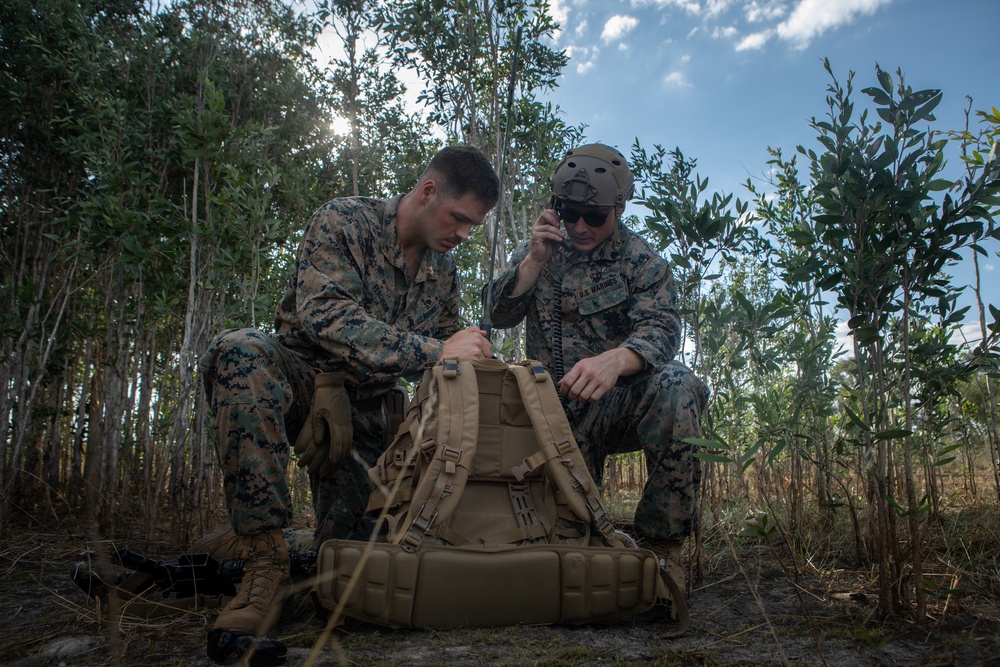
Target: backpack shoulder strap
(560, 452)
(441, 484)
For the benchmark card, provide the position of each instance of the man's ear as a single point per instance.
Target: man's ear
(428, 190)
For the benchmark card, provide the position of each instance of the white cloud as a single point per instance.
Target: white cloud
(581, 28)
(988, 266)
(559, 12)
(583, 57)
(716, 7)
(754, 41)
(676, 80)
(618, 26)
(724, 33)
(690, 6)
(842, 338)
(967, 335)
(686, 58)
(812, 18)
(757, 12)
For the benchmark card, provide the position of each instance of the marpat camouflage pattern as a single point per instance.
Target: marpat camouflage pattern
(621, 294)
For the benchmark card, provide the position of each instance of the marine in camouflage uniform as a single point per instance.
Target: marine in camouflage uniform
(350, 308)
(373, 296)
(602, 290)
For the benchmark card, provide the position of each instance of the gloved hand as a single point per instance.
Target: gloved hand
(326, 436)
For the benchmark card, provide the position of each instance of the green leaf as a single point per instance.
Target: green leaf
(856, 419)
(878, 96)
(866, 335)
(680, 260)
(713, 458)
(887, 115)
(891, 434)
(884, 79)
(704, 443)
(939, 184)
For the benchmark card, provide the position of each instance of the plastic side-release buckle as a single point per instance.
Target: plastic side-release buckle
(450, 368)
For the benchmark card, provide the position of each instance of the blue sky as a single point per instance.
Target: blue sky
(724, 79)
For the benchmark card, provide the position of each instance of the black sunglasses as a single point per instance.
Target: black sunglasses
(595, 219)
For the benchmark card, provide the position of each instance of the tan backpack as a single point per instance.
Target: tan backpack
(492, 517)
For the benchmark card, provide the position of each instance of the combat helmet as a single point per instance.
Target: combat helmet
(593, 175)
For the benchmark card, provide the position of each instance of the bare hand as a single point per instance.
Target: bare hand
(544, 233)
(467, 345)
(591, 378)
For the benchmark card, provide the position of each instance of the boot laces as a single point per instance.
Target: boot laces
(262, 574)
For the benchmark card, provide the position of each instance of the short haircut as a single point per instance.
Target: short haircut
(460, 170)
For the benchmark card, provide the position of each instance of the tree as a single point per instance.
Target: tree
(145, 219)
(481, 62)
(881, 243)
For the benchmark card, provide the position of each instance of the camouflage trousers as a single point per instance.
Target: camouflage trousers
(653, 415)
(259, 394)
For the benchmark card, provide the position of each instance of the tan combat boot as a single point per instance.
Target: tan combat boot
(222, 544)
(239, 633)
(265, 585)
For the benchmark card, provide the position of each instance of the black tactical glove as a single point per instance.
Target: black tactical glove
(326, 436)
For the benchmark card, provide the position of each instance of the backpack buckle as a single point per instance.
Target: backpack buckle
(425, 517)
(450, 368)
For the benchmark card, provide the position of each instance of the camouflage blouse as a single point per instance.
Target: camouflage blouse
(349, 306)
(621, 294)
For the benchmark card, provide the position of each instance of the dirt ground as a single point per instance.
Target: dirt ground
(745, 611)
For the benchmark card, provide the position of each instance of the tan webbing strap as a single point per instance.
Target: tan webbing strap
(667, 587)
(455, 449)
(541, 400)
(396, 461)
(530, 464)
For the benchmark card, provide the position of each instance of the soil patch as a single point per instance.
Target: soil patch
(745, 611)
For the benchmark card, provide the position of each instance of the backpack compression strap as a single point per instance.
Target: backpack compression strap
(441, 485)
(667, 588)
(559, 450)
